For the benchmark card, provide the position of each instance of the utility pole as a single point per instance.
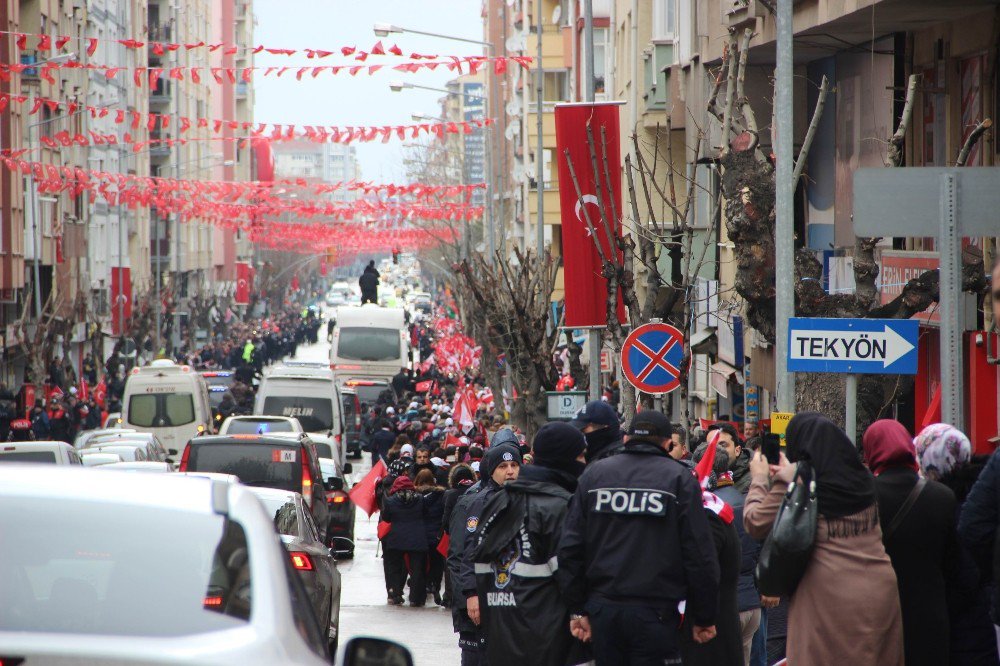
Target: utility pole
(595, 335)
(539, 149)
(784, 228)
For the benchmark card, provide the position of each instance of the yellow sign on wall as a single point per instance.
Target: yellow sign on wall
(779, 422)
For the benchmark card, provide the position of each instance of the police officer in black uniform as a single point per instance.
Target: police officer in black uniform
(635, 544)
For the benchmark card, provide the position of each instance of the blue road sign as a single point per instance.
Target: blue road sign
(652, 357)
(854, 346)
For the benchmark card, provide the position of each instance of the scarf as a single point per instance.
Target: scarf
(887, 444)
(844, 486)
(941, 448)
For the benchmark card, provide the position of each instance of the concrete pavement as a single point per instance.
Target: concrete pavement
(427, 631)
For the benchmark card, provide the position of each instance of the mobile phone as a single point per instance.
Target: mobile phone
(771, 448)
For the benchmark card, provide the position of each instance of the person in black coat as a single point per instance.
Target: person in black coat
(369, 284)
(382, 441)
(726, 649)
(405, 546)
(433, 514)
(922, 544)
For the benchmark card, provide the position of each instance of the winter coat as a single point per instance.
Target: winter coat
(741, 471)
(381, 442)
(726, 649)
(845, 609)
(433, 512)
(748, 598)
(925, 555)
(458, 531)
(524, 615)
(977, 525)
(405, 511)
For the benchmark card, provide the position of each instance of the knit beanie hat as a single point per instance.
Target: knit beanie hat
(497, 454)
(557, 445)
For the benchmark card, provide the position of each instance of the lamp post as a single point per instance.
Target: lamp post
(398, 86)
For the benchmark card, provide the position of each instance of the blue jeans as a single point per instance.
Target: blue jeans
(758, 649)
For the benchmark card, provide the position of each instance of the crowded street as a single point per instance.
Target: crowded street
(499, 333)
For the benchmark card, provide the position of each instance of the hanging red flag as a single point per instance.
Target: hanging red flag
(243, 283)
(121, 298)
(363, 492)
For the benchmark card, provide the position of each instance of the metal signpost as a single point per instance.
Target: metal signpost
(651, 358)
(946, 202)
(853, 347)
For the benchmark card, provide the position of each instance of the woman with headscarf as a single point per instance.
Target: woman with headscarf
(405, 546)
(919, 537)
(845, 609)
(945, 455)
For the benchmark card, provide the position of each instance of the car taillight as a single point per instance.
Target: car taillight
(337, 439)
(184, 458)
(212, 602)
(307, 490)
(339, 498)
(301, 561)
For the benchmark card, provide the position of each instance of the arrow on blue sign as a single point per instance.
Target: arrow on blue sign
(856, 346)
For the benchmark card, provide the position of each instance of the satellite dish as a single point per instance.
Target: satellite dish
(556, 14)
(509, 133)
(514, 107)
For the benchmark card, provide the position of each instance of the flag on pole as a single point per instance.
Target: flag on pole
(703, 469)
(363, 492)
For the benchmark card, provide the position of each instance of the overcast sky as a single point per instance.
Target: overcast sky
(364, 99)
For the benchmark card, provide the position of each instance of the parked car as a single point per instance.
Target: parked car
(128, 451)
(152, 466)
(112, 419)
(154, 449)
(85, 436)
(51, 452)
(285, 463)
(312, 560)
(259, 425)
(168, 400)
(215, 378)
(352, 421)
(103, 567)
(99, 458)
(370, 391)
(340, 529)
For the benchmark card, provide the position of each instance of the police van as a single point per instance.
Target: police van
(168, 400)
(305, 391)
(369, 342)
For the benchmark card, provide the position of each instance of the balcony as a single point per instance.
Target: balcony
(29, 73)
(161, 94)
(158, 147)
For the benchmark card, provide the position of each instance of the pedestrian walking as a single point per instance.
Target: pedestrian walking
(460, 479)
(524, 614)
(918, 520)
(845, 609)
(637, 542)
(945, 455)
(405, 546)
(433, 495)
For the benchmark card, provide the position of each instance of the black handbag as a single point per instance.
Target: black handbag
(788, 548)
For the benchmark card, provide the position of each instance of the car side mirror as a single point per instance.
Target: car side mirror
(171, 452)
(367, 651)
(348, 468)
(333, 483)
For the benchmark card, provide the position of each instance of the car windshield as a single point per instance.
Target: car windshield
(161, 410)
(28, 456)
(215, 397)
(323, 450)
(363, 343)
(282, 511)
(315, 414)
(255, 464)
(85, 567)
(255, 427)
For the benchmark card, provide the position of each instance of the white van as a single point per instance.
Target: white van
(369, 342)
(168, 400)
(305, 391)
(51, 452)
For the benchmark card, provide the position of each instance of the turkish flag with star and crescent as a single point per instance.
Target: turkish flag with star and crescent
(587, 298)
(121, 298)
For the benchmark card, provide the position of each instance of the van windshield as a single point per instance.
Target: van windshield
(255, 464)
(315, 414)
(161, 410)
(368, 344)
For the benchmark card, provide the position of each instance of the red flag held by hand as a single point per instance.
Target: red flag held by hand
(363, 492)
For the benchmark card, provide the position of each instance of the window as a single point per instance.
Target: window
(29, 456)
(315, 414)
(555, 86)
(256, 464)
(600, 59)
(664, 20)
(84, 568)
(368, 344)
(162, 410)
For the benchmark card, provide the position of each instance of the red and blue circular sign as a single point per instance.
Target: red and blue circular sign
(652, 357)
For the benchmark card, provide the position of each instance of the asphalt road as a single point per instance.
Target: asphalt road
(427, 631)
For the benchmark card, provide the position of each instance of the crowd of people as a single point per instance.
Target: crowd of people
(67, 402)
(638, 545)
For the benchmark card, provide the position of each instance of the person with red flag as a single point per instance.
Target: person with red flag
(363, 492)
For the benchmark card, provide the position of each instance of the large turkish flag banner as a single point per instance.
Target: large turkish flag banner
(586, 289)
(244, 282)
(121, 298)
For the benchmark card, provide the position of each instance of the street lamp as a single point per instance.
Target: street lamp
(417, 117)
(385, 29)
(399, 86)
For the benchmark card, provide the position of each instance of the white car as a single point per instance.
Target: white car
(99, 458)
(78, 550)
(50, 452)
(259, 425)
(129, 452)
(153, 466)
(147, 440)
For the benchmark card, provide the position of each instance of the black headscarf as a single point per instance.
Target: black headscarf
(844, 486)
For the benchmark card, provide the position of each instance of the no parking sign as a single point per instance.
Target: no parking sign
(652, 356)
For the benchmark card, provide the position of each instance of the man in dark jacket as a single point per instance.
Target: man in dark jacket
(382, 441)
(739, 457)
(637, 542)
(524, 614)
(464, 520)
(369, 284)
(599, 424)
(406, 540)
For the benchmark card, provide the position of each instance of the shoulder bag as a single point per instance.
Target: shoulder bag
(911, 499)
(788, 548)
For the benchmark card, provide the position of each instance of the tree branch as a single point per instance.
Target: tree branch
(800, 163)
(971, 140)
(895, 152)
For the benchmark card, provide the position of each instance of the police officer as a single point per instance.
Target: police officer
(635, 544)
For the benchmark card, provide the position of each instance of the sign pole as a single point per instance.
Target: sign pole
(950, 276)
(594, 343)
(851, 408)
(784, 229)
